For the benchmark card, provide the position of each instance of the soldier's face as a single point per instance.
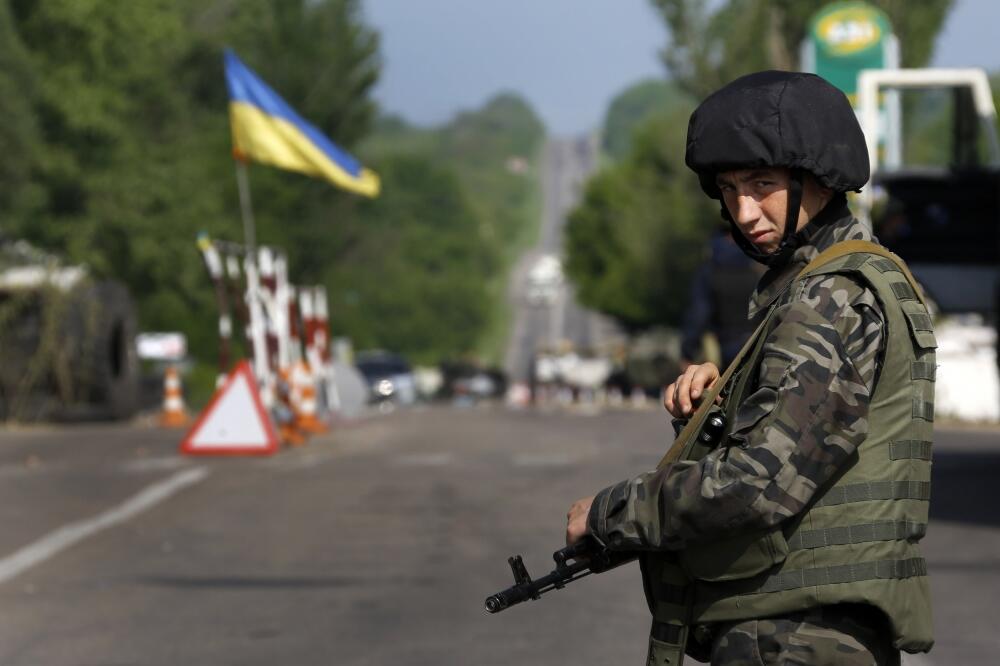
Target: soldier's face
(757, 200)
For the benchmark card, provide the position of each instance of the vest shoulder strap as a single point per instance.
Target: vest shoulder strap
(829, 256)
(852, 255)
(875, 265)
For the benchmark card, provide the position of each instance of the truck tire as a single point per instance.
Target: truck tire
(25, 384)
(68, 355)
(100, 327)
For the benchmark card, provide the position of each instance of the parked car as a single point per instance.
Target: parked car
(470, 381)
(545, 279)
(389, 377)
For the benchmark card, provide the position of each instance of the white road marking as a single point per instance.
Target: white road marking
(67, 535)
(916, 660)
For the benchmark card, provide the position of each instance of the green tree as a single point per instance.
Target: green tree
(640, 231)
(323, 60)
(19, 133)
(480, 145)
(638, 235)
(121, 172)
(135, 159)
(493, 151)
(412, 268)
(713, 44)
(634, 106)
(117, 127)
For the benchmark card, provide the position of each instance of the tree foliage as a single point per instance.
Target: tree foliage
(712, 44)
(635, 240)
(412, 270)
(117, 153)
(19, 133)
(640, 231)
(633, 107)
(493, 151)
(133, 154)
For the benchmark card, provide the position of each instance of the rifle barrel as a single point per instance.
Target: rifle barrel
(515, 594)
(572, 563)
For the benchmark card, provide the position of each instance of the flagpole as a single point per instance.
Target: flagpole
(249, 230)
(254, 305)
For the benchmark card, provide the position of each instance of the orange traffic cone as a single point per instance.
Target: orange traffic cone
(174, 414)
(304, 400)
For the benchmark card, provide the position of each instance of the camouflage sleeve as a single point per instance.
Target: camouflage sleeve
(806, 417)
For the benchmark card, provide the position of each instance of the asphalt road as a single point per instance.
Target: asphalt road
(565, 166)
(376, 544)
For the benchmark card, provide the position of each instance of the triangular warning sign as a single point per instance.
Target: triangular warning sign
(234, 422)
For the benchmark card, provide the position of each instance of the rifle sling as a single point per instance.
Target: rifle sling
(836, 251)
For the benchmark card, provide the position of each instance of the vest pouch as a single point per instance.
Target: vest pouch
(735, 558)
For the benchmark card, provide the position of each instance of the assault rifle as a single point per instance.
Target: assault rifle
(588, 556)
(583, 558)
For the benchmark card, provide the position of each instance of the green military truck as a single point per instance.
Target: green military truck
(67, 341)
(934, 196)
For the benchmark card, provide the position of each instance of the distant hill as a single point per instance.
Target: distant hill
(635, 105)
(493, 150)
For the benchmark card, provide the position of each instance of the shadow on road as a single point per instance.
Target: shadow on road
(965, 487)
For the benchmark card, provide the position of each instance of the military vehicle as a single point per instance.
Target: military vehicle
(935, 163)
(67, 341)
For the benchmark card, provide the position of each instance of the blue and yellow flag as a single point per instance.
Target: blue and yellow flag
(265, 129)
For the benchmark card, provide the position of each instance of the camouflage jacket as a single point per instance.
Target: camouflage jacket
(806, 417)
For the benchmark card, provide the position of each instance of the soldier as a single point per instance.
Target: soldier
(717, 302)
(795, 538)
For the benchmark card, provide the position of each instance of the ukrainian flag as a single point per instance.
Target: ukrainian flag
(267, 130)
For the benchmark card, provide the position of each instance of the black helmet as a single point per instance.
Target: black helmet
(778, 119)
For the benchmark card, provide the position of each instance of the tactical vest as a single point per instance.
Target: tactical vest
(857, 541)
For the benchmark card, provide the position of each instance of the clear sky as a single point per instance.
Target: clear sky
(567, 57)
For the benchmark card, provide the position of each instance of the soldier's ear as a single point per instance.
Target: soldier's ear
(824, 194)
(827, 195)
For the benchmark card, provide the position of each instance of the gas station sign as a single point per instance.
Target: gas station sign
(846, 37)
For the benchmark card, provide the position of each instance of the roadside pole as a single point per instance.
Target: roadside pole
(246, 209)
(261, 367)
(213, 261)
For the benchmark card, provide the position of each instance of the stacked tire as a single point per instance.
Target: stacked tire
(68, 355)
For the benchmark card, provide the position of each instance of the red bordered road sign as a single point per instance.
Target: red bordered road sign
(234, 422)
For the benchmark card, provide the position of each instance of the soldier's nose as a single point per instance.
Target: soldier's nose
(747, 211)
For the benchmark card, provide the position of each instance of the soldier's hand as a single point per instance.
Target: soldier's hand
(681, 397)
(576, 520)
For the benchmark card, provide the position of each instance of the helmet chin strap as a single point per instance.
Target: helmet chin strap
(789, 240)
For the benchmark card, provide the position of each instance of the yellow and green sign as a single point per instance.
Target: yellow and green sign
(846, 37)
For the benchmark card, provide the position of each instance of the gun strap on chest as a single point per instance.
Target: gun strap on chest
(689, 433)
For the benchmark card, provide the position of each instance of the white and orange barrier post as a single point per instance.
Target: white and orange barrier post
(213, 262)
(304, 400)
(303, 379)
